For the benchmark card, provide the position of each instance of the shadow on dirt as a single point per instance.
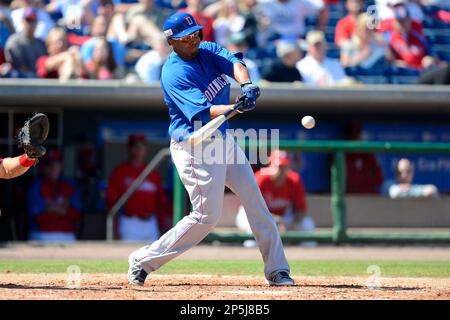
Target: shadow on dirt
(81, 288)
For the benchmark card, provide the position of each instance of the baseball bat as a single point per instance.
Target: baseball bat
(207, 130)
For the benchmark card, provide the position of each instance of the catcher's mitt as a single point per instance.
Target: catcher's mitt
(33, 134)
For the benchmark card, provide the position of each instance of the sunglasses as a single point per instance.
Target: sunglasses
(188, 38)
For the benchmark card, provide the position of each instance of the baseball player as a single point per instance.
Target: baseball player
(195, 86)
(31, 137)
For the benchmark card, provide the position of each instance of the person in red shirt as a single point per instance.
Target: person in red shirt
(364, 174)
(284, 193)
(346, 27)
(408, 44)
(195, 8)
(54, 203)
(145, 213)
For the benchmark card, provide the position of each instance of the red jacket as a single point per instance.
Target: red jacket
(148, 199)
(364, 175)
(345, 28)
(290, 195)
(41, 192)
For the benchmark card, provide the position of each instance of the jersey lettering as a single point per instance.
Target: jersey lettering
(215, 86)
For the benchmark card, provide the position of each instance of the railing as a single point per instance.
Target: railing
(159, 157)
(339, 232)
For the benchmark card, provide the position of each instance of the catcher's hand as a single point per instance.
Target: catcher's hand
(33, 134)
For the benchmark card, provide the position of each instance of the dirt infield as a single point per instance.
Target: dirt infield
(188, 287)
(206, 287)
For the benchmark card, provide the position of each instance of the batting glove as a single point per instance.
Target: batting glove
(249, 93)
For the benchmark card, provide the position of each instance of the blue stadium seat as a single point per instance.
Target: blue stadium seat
(404, 79)
(397, 71)
(311, 21)
(261, 53)
(443, 55)
(372, 79)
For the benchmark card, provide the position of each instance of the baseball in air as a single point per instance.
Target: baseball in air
(308, 122)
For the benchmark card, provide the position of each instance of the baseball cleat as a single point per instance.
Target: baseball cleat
(281, 278)
(136, 275)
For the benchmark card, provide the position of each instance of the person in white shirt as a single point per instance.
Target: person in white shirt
(404, 188)
(316, 68)
(286, 18)
(148, 67)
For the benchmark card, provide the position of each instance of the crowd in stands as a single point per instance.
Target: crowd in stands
(314, 42)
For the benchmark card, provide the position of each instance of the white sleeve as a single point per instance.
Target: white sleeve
(394, 192)
(337, 71)
(147, 69)
(302, 67)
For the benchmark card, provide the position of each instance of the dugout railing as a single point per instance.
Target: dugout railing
(339, 232)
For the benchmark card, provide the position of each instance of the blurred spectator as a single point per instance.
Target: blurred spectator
(44, 21)
(229, 20)
(384, 9)
(115, 22)
(238, 43)
(61, 62)
(149, 66)
(77, 15)
(346, 26)
(6, 29)
(365, 48)
(404, 187)
(145, 212)
(284, 68)
(98, 33)
(150, 11)
(316, 68)
(284, 193)
(122, 6)
(195, 7)
(286, 18)
(171, 4)
(54, 203)
(145, 22)
(102, 66)
(250, 28)
(364, 174)
(436, 74)
(22, 49)
(409, 46)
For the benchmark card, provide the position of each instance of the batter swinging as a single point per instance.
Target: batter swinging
(196, 88)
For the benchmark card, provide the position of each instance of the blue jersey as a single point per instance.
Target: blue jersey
(192, 87)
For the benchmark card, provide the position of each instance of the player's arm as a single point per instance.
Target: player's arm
(14, 167)
(241, 75)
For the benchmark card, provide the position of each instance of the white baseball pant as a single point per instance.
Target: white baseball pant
(205, 182)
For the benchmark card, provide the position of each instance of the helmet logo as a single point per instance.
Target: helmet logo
(189, 20)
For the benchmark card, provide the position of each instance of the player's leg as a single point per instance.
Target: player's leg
(205, 186)
(241, 180)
